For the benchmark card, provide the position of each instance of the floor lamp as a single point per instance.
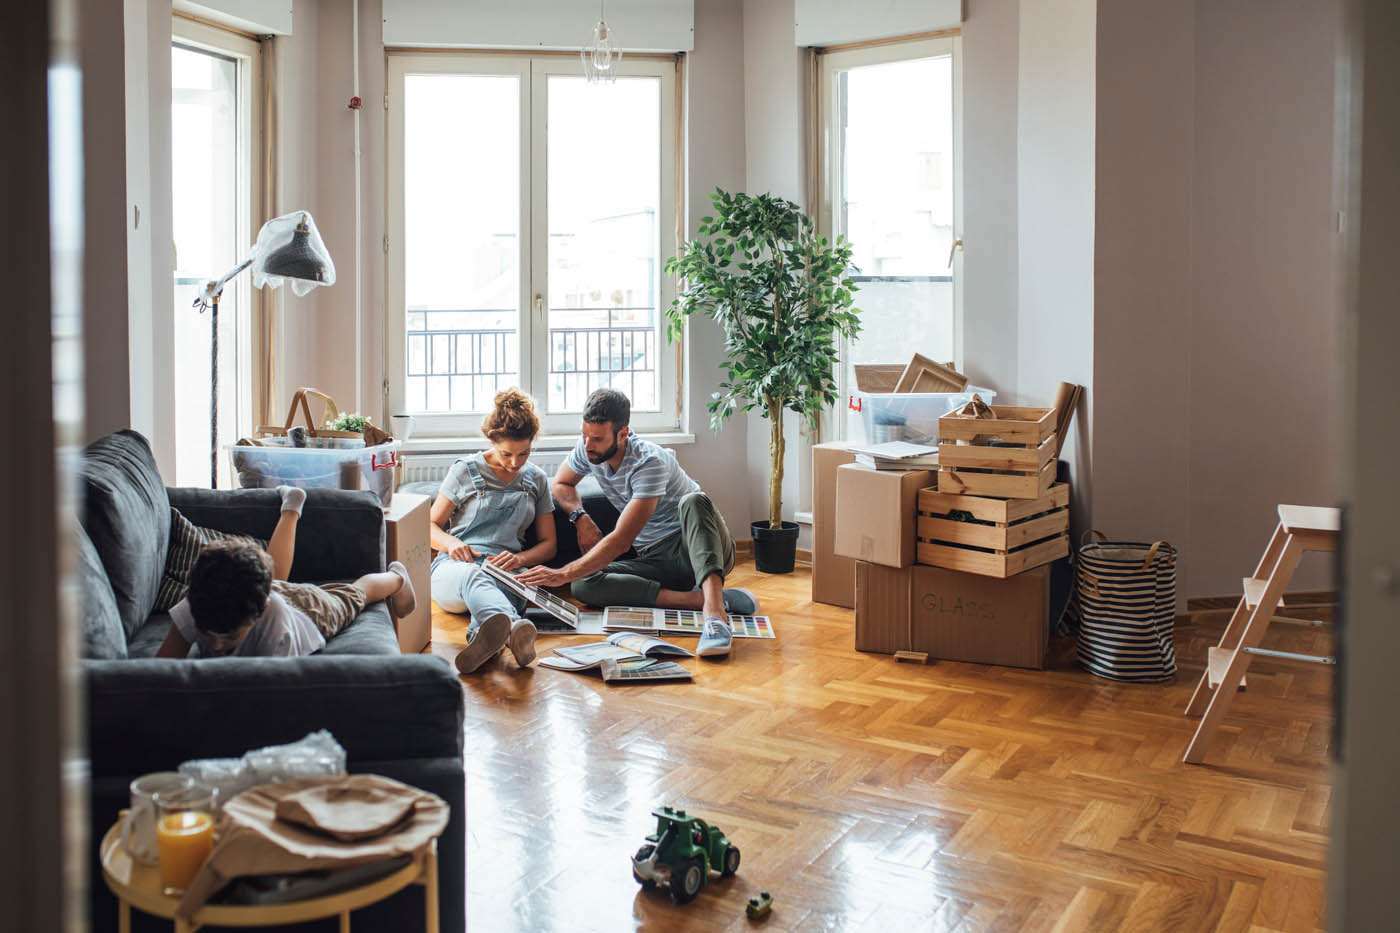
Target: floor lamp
(288, 249)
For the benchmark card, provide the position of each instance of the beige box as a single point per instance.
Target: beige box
(875, 513)
(833, 578)
(406, 539)
(953, 615)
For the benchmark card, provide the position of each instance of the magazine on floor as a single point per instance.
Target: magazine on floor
(624, 656)
(680, 622)
(563, 610)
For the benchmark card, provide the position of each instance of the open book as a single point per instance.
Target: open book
(561, 609)
(679, 622)
(624, 656)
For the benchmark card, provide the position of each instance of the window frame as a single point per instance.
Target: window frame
(533, 71)
(248, 346)
(831, 175)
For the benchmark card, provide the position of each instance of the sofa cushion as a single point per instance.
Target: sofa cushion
(371, 632)
(186, 541)
(103, 635)
(149, 637)
(127, 516)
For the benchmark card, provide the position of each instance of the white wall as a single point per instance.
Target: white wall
(716, 139)
(150, 244)
(774, 105)
(1264, 320)
(1142, 276)
(990, 262)
(106, 360)
(1055, 219)
(1216, 323)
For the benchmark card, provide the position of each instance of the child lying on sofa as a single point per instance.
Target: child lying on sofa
(240, 603)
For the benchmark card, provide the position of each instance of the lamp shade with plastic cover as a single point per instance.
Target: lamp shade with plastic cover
(290, 249)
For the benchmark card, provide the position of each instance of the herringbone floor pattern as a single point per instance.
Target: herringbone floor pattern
(872, 795)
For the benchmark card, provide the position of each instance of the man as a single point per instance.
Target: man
(681, 540)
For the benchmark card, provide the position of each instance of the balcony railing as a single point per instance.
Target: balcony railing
(461, 369)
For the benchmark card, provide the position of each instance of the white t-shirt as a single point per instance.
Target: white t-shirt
(282, 631)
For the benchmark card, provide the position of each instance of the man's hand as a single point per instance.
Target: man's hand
(463, 551)
(505, 560)
(589, 534)
(543, 576)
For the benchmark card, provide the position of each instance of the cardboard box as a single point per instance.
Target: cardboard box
(833, 578)
(875, 513)
(953, 615)
(406, 539)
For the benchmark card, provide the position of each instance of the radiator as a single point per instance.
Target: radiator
(431, 468)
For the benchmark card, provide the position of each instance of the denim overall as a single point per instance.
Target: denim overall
(497, 515)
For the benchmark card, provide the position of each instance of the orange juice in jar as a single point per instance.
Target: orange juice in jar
(184, 835)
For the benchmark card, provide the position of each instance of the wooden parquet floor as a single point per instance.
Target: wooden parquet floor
(867, 794)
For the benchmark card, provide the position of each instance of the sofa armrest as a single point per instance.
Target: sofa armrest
(150, 715)
(340, 535)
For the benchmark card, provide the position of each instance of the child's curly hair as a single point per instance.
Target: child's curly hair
(229, 585)
(512, 418)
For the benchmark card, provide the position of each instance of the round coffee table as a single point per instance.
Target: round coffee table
(137, 885)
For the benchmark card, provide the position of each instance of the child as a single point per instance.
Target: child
(485, 507)
(240, 602)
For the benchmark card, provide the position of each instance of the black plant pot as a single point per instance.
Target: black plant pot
(774, 551)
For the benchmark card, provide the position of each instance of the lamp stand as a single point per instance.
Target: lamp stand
(214, 392)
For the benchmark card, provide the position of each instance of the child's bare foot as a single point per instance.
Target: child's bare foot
(293, 497)
(404, 601)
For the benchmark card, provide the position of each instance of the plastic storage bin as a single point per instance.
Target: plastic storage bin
(910, 416)
(334, 463)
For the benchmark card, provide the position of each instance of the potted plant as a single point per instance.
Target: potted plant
(781, 296)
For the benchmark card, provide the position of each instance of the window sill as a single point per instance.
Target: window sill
(452, 445)
(803, 518)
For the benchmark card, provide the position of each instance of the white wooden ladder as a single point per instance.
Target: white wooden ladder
(1301, 528)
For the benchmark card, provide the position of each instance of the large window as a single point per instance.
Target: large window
(891, 126)
(531, 215)
(212, 185)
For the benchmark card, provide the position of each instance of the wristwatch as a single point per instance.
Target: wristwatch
(575, 515)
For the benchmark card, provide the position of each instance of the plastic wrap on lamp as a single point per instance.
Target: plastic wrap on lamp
(290, 249)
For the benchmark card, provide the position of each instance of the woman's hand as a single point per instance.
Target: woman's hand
(505, 560)
(463, 551)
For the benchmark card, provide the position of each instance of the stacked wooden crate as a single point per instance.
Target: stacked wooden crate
(997, 510)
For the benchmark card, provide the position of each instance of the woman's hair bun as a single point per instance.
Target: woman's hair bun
(512, 417)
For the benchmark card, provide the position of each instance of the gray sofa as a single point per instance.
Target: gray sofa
(396, 715)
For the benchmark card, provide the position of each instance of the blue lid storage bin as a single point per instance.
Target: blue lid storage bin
(910, 416)
(331, 463)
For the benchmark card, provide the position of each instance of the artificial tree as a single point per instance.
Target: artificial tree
(780, 294)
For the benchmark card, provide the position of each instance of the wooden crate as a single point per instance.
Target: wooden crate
(1021, 466)
(1008, 536)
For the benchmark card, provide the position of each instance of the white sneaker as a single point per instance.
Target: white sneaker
(521, 641)
(740, 602)
(715, 639)
(489, 638)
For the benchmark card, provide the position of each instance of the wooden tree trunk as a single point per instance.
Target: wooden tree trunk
(777, 446)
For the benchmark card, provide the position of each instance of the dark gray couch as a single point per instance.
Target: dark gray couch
(396, 715)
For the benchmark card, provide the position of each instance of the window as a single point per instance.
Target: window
(212, 182)
(891, 126)
(531, 215)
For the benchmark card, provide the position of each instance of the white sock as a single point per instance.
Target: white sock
(293, 497)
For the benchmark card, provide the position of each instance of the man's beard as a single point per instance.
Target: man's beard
(606, 455)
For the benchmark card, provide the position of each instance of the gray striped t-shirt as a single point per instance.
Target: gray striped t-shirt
(646, 472)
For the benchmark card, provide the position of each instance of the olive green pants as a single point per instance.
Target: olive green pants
(702, 546)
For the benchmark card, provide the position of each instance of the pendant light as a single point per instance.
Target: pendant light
(602, 56)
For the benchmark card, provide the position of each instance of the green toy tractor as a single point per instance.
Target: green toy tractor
(681, 853)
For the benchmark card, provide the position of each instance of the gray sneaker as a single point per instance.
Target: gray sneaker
(740, 602)
(489, 638)
(521, 641)
(715, 639)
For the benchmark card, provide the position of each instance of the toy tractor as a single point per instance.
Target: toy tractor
(681, 853)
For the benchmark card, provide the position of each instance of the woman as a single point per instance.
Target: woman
(483, 510)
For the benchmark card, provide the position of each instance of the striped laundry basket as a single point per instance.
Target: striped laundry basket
(1126, 593)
